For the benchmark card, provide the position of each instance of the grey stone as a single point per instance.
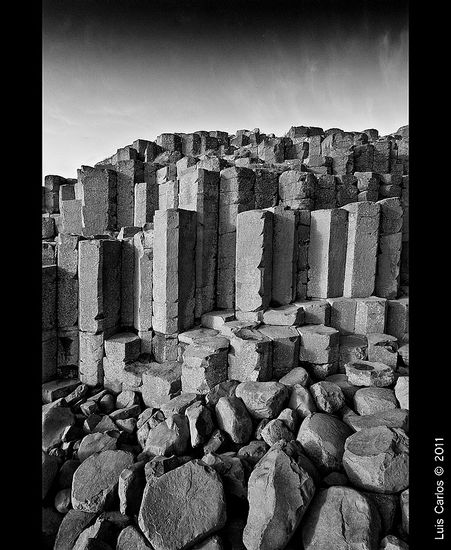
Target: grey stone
(370, 315)
(200, 423)
(73, 524)
(373, 400)
(182, 507)
(276, 430)
(290, 418)
(215, 319)
(130, 488)
(179, 404)
(56, 389)
(131, 539)
(95, 481)
(328, 396)
(250, 356)
(342, 314)
(285, 348)
(285, 315)
(232, 417)
(204, 364)
(377, 459)
(347, 388)
(323, 437)
(263, 399)
(63, 501)
(383, 348)
(404, 501)
(298, 375)
(340, 518)
(392, 418)
(223, 389)
(402, 391)
(301, 401)
(352, 348)
(319, 344)
(370, 373)
(280, 491)
(169, 437)
(253, 452)
(55, 420)
(390, 542)
(95, 443)
(160, 382)
(232, 473)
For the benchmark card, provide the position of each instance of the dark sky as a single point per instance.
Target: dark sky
(115, 71)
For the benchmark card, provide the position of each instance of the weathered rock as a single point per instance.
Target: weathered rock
(182, 507)
(377, 459)
(131, 539)
(129, 412)
(216, 441)
(274, 431)
(383, 348)
(301, 401)
(342, 381)
(390, 542)
(233, 418)
(263, 399)
(369, 373)
(127, 399)
(73, 524)
(179, 404)
(169, 437)
(232, 473)
(204, 364)
(373, 400)
(280, 490)
(250, 356)
(95, 481)
(63, 501)
(328, 396)
(223, 389)
(393, 418)
(104, 425)
(290, 418)
(253, 452)
(50, 466)
(200, 423)
(323, 437)
(297, 375)
(402, 391)
(57, 389)
(55, 420)
(387, 506)
(160, 382)
(130, 488)
(340, 518)
(95, 443)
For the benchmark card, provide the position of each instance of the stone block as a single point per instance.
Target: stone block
(370, 315)
(146, 199)
(326, 253)
(164, 347)
(204, 364)
(266, 188)
(288, 315)
(388, 266)
(68, 343)
(48, 253)
(170, 142)
(160, 383)
(216, 319)
(122, 347)
(295, 187)
(397, 324)
(129, 172)
(254, 240)
(361, 249)
(91, 358)
(383, 348)
(342, 314)
(48, 227)
(391, 216)
(285, 250)
(352, 348)
(67, 280)
(72, 216)
(97, 189)
(142, 284)
(250, 356)
(168, 195)
(318, 344)
(173, 270)
(316, 312)
(285, 348)
(125, 236)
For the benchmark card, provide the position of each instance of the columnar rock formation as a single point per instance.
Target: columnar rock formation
(225, 352)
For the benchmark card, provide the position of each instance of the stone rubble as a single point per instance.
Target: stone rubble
(225, 344)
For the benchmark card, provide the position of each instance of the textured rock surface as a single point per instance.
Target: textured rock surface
(280, 491)
(182, 507)
(262, 399)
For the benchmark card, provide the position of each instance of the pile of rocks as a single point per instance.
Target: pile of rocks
(225, 344)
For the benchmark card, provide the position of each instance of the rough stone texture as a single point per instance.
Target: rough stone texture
(342, 314)
(274, 431)
(56, 418)
(95, 481)
(169, 437)
(383, 348)
(173, 270)
(250, 356)
(361, 249)
(301, 401)
(142, 284)
(377, 459)
(319, 344)
(323, 437)
(398, 319)
(402, 391)
(388, 266)
(216, 319)
(253, 275)
(373, 400)
(370, 373)
(326, 254)
(404, 501)
(370, 315)
(201, 424)
(284, 255)
(328, 396)
(352, 348)
(182, 507)
(73, 524)
(232, 417)
(297, 375)
(263, 399)
(205, 364)
(340, 518)
(392, 418)
(287, 315)
(316, 312)
(130, 488)
(131, 539)
(280, 491)
(285, 348)
(390, 542)
(91, 358)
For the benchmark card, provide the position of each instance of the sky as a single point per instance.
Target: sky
(117, 70)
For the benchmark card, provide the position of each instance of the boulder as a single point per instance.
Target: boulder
(200, 422)
(232, 417)
(95, 443)
(179, 404)
(393, 418)
(63, 501)
(95, 481)
(66, 473)
(289, 418)
(130, 488)
(402, 391)
(301, 401)
(274, 431)
(169, 437)
(340, 518)
(373, 400)
(377, 459)
(182, 507)
(328, 396)
(223, 389)
(253, 452)
(263, 399)
(298, 375)
(131, 539)
(280, 490)
(212, 543)
(232, 472)
(369, 373)
(322, 438)
(73, 524)
(347, 388)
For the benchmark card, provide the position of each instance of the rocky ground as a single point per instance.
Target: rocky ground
(302, 463)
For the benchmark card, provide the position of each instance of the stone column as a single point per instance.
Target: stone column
(142, 286)
(236, 195)
(125, 236)
(284, 255)
(361, 250)
(199, 191)
(254, 237)
(129, 172)
(327, 253)
(146, 196)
